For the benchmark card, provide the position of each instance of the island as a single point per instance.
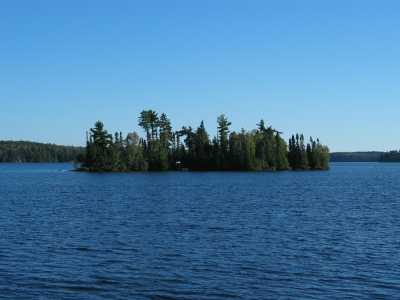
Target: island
(163, 149)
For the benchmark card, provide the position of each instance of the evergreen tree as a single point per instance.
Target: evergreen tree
(165, 131)
(303, 154)
(166, 140)
(144, 122)
(99, 151)
(223, 131)
(201, 155)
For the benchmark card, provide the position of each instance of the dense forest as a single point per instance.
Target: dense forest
(359, 156)
(391, 156)
(371, 156)
(22, 151)
(192, 149)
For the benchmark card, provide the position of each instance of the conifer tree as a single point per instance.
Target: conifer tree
(223, 131)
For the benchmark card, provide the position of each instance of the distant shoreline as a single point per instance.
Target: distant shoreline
(32, 152)
(365, 156)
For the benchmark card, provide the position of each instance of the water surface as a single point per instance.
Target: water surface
(215, 235)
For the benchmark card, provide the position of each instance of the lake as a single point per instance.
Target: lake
(213, 235)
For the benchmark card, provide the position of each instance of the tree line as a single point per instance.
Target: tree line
(358, 156)
(372, 156)
(23, 151)
(391, 156)
(189, 148)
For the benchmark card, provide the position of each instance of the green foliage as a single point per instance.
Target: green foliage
(371, 156)
(188, 148)
(281, 155)
(223, 131)
(313, 156)
(23, 151)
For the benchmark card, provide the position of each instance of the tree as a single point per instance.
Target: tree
(99, 151)
(135, 160)
(149, 121)
(165, 131)
(261, 126)
(223, 131)
(282, 162)
(201, 151)
(303, 154)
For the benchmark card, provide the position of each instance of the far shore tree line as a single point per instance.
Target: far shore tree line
(189, 148)
(391, 156)
(29, 152)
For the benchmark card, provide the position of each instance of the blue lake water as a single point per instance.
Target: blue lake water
(183, 235)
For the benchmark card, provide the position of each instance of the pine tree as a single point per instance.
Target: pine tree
(223, 131)
(303, 164)
(201, 157)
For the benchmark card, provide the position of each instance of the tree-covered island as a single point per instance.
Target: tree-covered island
(192, 149)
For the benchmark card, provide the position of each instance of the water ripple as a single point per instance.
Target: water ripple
(317, 235)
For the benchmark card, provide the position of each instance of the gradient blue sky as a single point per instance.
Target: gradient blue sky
(326, 68)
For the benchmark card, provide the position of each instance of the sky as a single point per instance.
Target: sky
(329, 69)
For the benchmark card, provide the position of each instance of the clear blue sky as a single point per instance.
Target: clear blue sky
(326, 68)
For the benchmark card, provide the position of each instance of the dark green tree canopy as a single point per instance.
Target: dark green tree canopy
(23, 151)
(188, 148)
